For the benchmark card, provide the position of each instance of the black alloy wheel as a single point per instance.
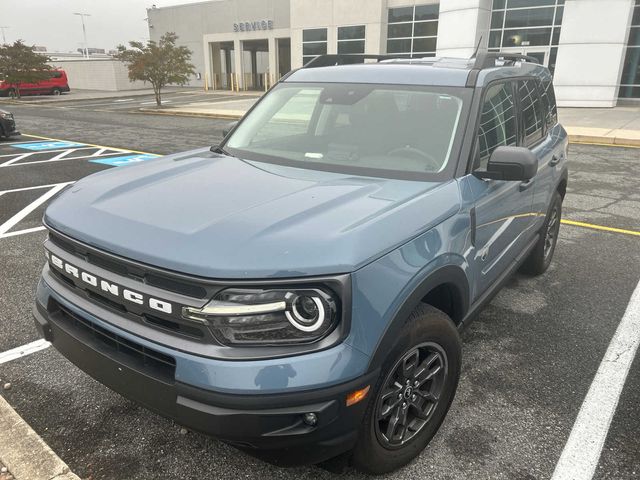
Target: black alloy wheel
(410, 394)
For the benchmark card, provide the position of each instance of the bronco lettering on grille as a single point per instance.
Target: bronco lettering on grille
(111, 288)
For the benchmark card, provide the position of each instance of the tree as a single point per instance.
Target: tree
(20, 64)
(160, 63)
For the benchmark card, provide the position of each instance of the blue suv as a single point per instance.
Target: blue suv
(298, 290)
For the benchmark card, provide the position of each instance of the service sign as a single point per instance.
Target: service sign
(253, 26)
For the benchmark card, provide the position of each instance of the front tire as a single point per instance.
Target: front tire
(413, 395)
(540, 257)
(56, 91)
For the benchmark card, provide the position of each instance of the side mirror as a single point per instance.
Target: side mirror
(510, 163)
(227, 128)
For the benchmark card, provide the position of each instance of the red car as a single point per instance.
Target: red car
(54, 85)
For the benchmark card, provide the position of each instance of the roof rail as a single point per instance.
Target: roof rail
(488, 59)
(344, 59)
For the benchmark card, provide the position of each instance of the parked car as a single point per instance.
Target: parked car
(7, 124)
(55, 84)
(298, 290)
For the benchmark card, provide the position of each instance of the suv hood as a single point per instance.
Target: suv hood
(221, 217)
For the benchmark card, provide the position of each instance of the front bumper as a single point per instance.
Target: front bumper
(269, 425)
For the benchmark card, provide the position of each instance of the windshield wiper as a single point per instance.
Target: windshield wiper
(219, 149)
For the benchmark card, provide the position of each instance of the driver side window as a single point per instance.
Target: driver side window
(498, 122)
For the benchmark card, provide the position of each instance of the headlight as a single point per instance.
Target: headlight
(6, 115)
(268, 316)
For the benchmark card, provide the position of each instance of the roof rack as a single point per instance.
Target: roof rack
(488, 59)
(344, 59)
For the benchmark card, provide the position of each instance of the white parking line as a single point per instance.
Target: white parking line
(24, 350)
(9, 224)
(581, 454)
(153, 102)
(15, 159)
(29, 188)
(2, 144)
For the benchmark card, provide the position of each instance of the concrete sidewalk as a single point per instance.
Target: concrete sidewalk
(612, 126)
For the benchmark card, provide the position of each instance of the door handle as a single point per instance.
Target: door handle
(554, 160)
(525, 185)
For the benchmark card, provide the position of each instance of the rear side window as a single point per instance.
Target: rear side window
(531, 108)
(498, 125)
(549, 104)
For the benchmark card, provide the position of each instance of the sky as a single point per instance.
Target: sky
(51, 23)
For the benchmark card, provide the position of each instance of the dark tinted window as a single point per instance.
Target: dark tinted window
(351, 33)
(497, 121)
(404, 14)
(314, 35)
(398, 30)
(427, 12)
(549, 104)
(531, 110)
(351, 46)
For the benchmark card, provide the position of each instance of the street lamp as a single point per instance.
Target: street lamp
(84, 32)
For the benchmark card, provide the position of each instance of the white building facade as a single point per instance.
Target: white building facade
(591, 46)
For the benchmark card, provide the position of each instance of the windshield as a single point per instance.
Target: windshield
(352, 127)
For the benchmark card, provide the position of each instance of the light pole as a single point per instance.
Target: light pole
(84, 32)
(4, 39)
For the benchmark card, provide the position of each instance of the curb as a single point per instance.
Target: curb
(185, 113)
(602, 140)
(24, 453)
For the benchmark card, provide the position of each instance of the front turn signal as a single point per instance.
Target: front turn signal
(357, 396)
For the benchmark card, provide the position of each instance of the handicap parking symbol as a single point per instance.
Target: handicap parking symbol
(48, 145)
(125, 160)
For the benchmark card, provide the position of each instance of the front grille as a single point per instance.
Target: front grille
(132, 354)
(128, 269)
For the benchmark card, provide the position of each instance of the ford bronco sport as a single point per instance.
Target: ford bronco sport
(298, 290)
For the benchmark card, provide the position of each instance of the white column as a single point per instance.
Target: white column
(273, 59)
(461, 23)
(591, 52)
(237, 59)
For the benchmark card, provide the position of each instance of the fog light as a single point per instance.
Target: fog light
(310, 419)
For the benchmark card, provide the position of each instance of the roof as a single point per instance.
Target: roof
(433, 71)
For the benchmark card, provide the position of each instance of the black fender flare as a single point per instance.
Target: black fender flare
(453, 275)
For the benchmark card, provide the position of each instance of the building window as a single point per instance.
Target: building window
(351, 39)
(527, 26)
(630, 80)
(412, 31)
(314, 43)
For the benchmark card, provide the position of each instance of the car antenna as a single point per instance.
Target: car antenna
(475, 53)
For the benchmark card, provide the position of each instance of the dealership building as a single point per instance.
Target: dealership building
(591, 46)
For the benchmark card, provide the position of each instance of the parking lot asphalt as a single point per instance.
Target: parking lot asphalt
(529, 359)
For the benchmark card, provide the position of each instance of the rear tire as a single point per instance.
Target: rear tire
(540, 257)
(425, 364)
(13, 93)
(56, 91)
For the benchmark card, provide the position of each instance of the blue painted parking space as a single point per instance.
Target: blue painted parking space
(48, 145)
(49, 151)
